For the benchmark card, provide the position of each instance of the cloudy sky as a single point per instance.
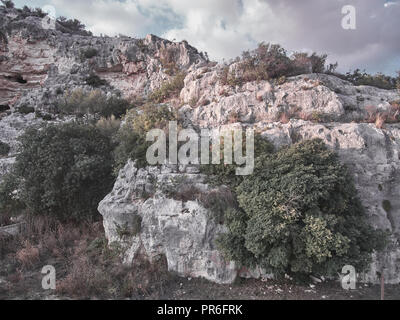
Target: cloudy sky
(224, 28)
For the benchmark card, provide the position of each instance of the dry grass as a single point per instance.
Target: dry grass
(372, 112)
(380, 120)
(86, 267)
(28, 256)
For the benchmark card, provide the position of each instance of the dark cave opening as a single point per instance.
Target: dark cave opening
(17, 78)
(4, 107)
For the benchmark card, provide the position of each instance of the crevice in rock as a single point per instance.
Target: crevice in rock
(17, 78)
(4, 107)
(388, 147)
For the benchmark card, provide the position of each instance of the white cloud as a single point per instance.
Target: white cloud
(224, 28)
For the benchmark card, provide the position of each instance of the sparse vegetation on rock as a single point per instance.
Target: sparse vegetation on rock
(271, 62)
(168, 89)
(72, 26)
(131, 138)
(95, 81)
(89, 53)
(80, 103)
(379, 80)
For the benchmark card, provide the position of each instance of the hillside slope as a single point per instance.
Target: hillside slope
(37, 66)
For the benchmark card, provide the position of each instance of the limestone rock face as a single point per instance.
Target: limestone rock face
(37, 64)
(314, 96)
(144, 220)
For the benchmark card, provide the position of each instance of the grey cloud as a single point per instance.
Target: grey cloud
(224, 28)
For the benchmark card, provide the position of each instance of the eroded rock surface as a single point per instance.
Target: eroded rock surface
(38, 65)
(140, 216)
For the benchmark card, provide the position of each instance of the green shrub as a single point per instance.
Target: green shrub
(131, 145)
(95, 81)
(89, 53)
(379, 80)
(4, 149)
(300, 215)
(44, 116)
(65, 170)
(168, 89)
(72, 26)
(24, 109)
(271, 61)
(109, 126)
(131, 138)
(218, 174)
(80, 103)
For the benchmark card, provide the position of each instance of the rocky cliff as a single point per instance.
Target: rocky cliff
(36, 65)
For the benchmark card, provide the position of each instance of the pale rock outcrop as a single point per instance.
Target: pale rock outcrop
(182, 231)
(37, 64)
(318, 96)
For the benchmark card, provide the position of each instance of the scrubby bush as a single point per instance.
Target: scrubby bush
(226, 174)
(25, 109)
(95, 81)
(65, 170)
(4, 149)
(80, 103)
(271, 62)
(72, 26)
(379, 80)
(168, 89)
(131, 145)
(131, 137)
(89, 53)
(109, 126)
(299, 215)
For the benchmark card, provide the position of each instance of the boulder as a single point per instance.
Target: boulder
(143, 218)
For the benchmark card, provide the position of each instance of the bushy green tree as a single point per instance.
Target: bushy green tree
(65, 170)
(300, 215)
(131, 138)
(222, 173)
